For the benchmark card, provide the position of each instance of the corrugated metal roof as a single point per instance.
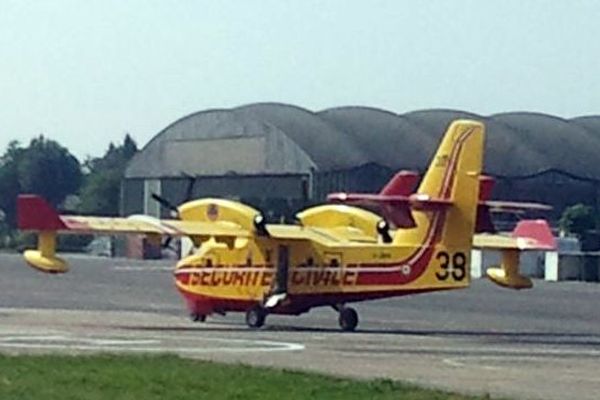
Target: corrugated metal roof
(298, 140)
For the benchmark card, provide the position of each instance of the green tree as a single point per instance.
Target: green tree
(9, 184)
(578, 219)
(102, 184)
(49, 169)
(44, 167)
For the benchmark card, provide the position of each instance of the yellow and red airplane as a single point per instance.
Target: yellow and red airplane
(337, 254)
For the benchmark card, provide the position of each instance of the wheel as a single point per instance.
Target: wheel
(348, 319)
(255, 317)
(197, 317)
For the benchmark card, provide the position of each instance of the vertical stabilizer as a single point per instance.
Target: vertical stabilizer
(453, 176)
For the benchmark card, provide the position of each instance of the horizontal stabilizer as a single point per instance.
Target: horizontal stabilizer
(416, 201)
(396, 202)
(395, 208)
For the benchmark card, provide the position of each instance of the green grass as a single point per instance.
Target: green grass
(170, 377)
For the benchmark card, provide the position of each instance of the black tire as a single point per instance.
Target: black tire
(197, 317)
(348, 319)
(255, 317)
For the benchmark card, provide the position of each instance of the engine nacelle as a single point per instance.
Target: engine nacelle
(219, 210)
(338, 215)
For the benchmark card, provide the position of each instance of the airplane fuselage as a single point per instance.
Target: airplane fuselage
(220, 279)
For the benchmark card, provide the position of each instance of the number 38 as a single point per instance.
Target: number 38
(451, 266)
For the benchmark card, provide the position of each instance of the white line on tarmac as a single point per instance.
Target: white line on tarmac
(502, 355)
(67, 342)
(454, 362)
(183, 350)
(62, 338)
(478, 362)
(467, 352)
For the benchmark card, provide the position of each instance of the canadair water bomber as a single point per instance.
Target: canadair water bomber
(335, 255)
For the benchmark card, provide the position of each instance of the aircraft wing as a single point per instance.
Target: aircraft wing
(501, 242)
(35, 214)
(527, 235)
(513, 206)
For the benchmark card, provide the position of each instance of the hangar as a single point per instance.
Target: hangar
(281, 158)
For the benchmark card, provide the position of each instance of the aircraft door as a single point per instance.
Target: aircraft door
(334, 263)
(281, 275)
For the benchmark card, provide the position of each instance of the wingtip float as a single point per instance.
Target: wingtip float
(529, 235)
(36, 214)
(336, 255)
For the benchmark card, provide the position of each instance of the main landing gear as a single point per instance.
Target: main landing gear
(195, 317)
(256, 316)
(348, 318)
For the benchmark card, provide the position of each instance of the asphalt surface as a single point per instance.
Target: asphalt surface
(540, 344)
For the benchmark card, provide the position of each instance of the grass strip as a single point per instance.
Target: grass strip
(119, 377)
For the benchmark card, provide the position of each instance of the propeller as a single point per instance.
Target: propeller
(174, 211)
(383, 228)
(189, 191)
(166, 204)
(260, 224)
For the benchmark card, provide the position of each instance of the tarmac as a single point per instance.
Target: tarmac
(542, 343)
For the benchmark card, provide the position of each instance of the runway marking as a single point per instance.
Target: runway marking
(67, 339)
(468, 352)
(150, 345)
(454, 362)
(506, 355)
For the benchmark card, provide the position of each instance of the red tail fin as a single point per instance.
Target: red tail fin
(484, 219)
(486, 185)
(402, 184)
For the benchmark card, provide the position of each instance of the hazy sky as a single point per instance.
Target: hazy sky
(86, 72)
